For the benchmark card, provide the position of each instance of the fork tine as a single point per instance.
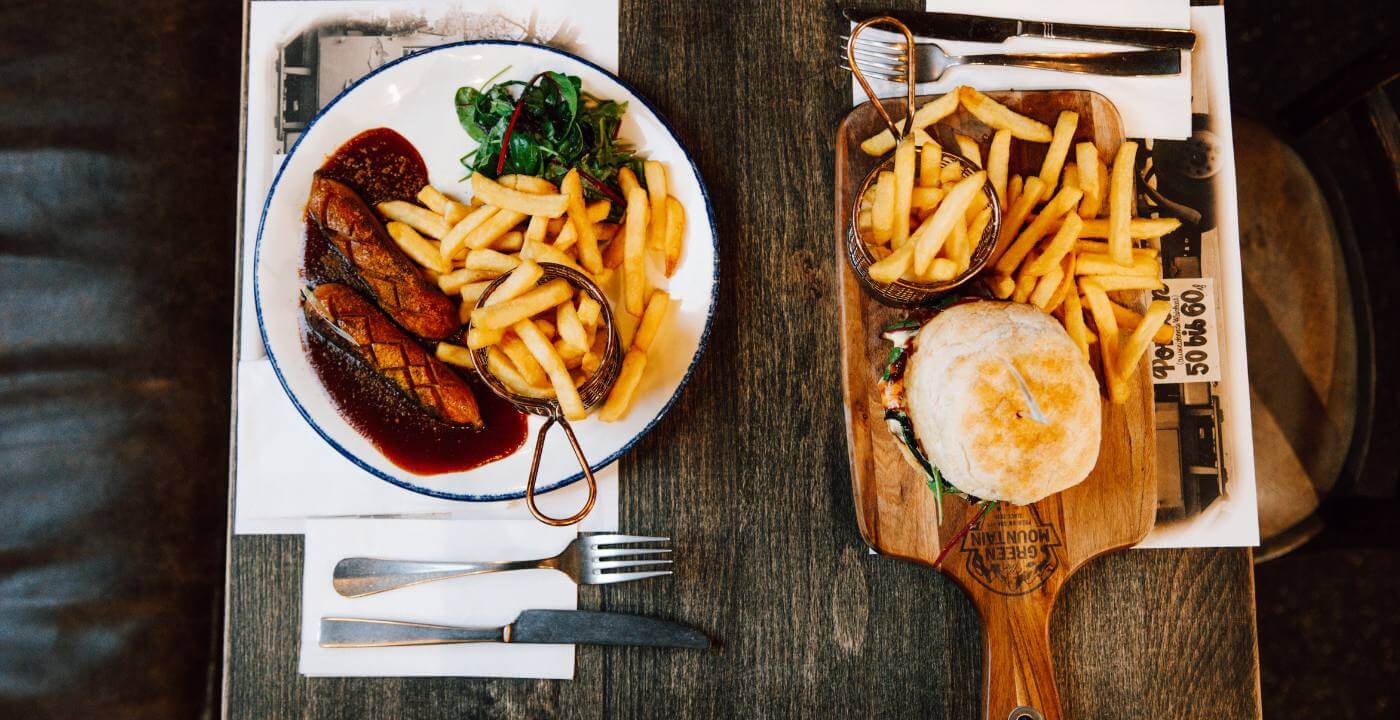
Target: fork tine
(618, 564)
(876, 75)
(897, 68)
(599, 540)
(899, 46)
(616, 552)
(876, 53)
(610, 578)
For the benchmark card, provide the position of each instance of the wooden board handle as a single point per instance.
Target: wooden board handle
(1018, 674)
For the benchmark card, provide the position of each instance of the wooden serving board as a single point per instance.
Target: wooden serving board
(1014, 563)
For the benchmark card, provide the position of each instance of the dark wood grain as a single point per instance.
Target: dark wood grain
(749, 474)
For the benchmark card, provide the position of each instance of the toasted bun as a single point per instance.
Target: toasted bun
(974, 421)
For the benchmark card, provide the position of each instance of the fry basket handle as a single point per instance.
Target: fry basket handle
(535, 471)
(908, 73)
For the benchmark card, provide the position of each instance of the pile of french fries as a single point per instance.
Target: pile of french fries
(1068, 235)
(542, 339)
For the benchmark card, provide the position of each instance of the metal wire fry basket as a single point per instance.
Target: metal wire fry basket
(592, 392)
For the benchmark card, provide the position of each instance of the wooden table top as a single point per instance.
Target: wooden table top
(748, 474)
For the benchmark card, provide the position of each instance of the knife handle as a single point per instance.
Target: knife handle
(1166, 38)
(351, 632)
(1122, 64)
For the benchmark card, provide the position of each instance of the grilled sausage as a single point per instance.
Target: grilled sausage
(349, 321)
(390, 278)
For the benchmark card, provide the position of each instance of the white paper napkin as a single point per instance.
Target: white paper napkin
(1155, 107)
(491, 600)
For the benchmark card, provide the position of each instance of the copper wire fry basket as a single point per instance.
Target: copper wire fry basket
(592, 392)
(905, 293)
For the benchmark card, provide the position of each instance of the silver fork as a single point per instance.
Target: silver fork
(584, 560)
(890, 61)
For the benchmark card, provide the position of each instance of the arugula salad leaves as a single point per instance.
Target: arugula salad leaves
(544, 128)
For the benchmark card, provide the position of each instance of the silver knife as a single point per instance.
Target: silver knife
(531, 626)
(976, 28)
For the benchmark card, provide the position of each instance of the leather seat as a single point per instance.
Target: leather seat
(118, 135)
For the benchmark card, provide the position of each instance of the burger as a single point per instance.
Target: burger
(992, 400)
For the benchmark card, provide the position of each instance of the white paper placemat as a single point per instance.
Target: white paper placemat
(491, 600)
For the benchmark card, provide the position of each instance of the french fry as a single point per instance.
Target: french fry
(501, 367)
(882, 209)
(1063, 201)
(612, 254)
(455, 211)
(457, 236)
(1107, 327)
(567, 237)
(928, 114)
(528, 184)
(925, 199)
(510, 242)
(1086, 157)
(589, 311)
(1046, 286)
(1070, 177)
(941, 270)
(627, 181)
(1125, 282)
(628, 378)
(975, 206)
(967, 147)
(478, 338)
(597, 212)
(1001, 117)
(571, 329)
(570, 354)
(487, 259)
(605, 231)
(1102, 264)
(675, 234)
(1067, 284)
(1059, 246)
(893, 266)
(1128, 317)
(1065, 125)
(634, 270)
(1138, 228)
(1099, 246)
(1120, 203)
(451, 283)
(998, 160)
(525, 203)
(903, 191)
(657, 192)
(957, 248)
(1141, 338)
(433, 199)
(1025, 285)
(419, 218)
(976, 230)
(547, 328)
(1026, 199)
(471, 292)
(523, 360)
(546, 253)
(934, 231)
(1001, 286)
(658, 306)
(498, 316)
(1074, 321)
(500, 223)
(930, 164)
(455, 355)
(588, 254)
(553, 365)
(952, 172)
(419, 249)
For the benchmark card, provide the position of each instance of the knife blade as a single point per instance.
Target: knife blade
(581, 627)
(977, 28)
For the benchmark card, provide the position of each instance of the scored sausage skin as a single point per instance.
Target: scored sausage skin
(391, 353)
(392, 279)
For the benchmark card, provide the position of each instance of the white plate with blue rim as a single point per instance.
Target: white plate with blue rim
(414, 97)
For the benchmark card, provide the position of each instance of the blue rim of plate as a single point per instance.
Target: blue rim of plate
(464, 497)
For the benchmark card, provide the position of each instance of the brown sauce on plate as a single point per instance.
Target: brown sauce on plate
(381, 165)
